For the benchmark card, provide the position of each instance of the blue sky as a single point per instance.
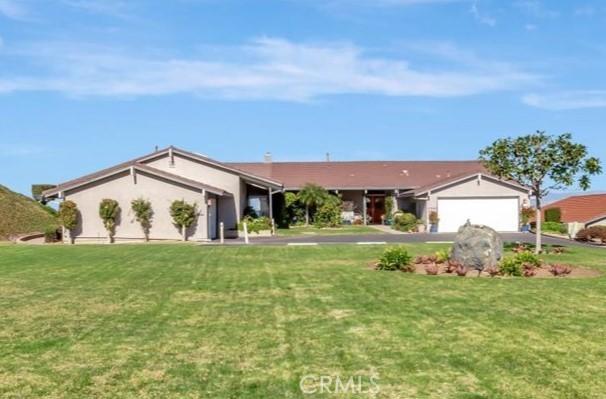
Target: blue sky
(85, 84)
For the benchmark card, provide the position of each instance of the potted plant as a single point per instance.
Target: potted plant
(421, 228)
(433, 221)
(525, 216)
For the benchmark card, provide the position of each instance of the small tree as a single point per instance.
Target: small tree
(184, 215)
(109, 210)
(312, 196)
(143, 214)
(543, 163)
(68, 217)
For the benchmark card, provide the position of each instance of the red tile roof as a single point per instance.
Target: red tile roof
(361, 174)
(581, 208)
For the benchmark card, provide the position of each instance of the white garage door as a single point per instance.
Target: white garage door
(499, 213)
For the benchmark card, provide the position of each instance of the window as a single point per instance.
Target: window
(260, 204)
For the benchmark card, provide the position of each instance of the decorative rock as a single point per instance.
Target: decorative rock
(477, 247)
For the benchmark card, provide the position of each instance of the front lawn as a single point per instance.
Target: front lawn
(312, 230)
(249, 322)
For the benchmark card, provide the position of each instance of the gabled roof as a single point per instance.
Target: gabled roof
(139, 164)
(461, 178)
(126, 166)
(359, 175)
(581, 208)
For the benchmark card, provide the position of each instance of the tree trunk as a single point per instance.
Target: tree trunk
(183, 233)
(306, 215)
(538, 217)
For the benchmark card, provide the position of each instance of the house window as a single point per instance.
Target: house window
(260, 204)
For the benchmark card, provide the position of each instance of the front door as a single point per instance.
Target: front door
(376, 208)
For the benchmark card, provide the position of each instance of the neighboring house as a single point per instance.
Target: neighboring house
(457, 190)
(589, 210)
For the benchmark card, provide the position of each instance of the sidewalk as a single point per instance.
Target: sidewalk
(386, 229)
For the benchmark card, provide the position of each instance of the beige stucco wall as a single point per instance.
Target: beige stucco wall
(123, 188)
(229, 208)
(475, 187)
(601, 222)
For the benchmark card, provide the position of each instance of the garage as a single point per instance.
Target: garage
(502, 214)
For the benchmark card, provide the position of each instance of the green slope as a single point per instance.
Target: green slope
(20, 214)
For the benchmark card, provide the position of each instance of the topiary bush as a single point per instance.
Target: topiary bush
(553, 215)
(143, 214)
(184, 215)
(403, 221)
(68, 216)
(109, 210)
(396, 258)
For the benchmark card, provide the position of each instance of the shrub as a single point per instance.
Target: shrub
(511, 267)
(592, 233)
(560, 270)
(109, 211)
(442, 256)
(51, 234)
(329, 214)
(553, 215)
(255, 225)
(404, 221)
(515, 265)
(143, 214)
(184, 215)
(396, 258)
(555, 227)
(68, 216)
(461, 270)
(432, 269)
(493, 271)
(451, 266)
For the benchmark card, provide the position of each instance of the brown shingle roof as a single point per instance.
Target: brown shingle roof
(361, 174)
(581, 208)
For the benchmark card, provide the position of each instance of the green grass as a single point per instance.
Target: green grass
(20, 214)
(311, 230)
(249, 322)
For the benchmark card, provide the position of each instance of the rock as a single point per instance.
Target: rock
(477, 247)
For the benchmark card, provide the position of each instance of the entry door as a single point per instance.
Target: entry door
(501, 214)
(376, 208)
(212, 218)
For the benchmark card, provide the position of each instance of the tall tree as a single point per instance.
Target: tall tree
(542, 162)
(311, 195)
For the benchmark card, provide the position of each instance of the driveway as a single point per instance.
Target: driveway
(391, 238)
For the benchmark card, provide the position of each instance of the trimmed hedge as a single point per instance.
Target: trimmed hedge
(553, 215)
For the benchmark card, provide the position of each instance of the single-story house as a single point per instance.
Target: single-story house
(456, 190)
(588, 210)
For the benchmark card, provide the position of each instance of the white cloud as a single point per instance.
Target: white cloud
(536, 8)
(12, 9)
(266, 68)
(530, 27)
(114, 8)
(585, 11)
(567, 100)
(482, 17)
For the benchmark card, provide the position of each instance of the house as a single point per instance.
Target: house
(457, 190)
(588, 210)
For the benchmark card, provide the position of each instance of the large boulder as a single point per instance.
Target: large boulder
(477, 247)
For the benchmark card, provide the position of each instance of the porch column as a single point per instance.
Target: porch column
(271, 204)
(203, 218)
(394, 197)
(364, 207)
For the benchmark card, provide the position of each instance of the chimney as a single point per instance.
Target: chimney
(267, 157)
(328, 157)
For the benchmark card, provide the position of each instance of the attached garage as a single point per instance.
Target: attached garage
(479, 198)
(499, 213)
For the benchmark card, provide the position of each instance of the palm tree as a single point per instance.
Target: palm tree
(311, 195)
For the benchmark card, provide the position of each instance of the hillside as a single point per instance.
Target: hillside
(20, 214)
